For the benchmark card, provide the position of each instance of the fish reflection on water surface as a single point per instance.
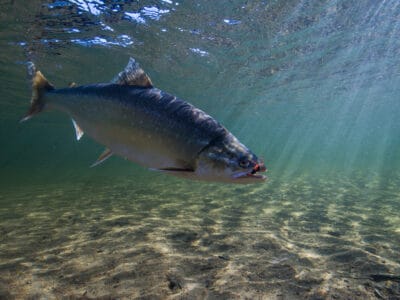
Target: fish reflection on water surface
(150, 127)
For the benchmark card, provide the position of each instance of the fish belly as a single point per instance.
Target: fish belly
(146, 136)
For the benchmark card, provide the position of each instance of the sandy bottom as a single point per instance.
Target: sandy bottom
(172, 239)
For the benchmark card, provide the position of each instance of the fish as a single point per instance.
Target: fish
(150, 127)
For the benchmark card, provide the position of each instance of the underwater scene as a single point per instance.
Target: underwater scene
(311, 87)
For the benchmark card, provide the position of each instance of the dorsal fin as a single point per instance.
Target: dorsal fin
(133, 74)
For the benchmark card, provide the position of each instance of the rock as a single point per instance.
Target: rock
(174, 283)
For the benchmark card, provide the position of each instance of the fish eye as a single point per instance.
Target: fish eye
(244, 163)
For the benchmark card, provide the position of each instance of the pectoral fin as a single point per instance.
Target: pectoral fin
(78, 131)
(106, 154)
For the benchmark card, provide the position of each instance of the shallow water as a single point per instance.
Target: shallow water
(310, 86)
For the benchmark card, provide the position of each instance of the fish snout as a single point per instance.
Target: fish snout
(259, 167)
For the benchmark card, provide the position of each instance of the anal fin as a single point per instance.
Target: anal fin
(78, 131)
(106, 154)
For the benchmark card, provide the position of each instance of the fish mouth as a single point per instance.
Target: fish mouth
(249, 175)
(257, 176)
(252, 173)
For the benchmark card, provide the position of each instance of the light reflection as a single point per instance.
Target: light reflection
(94, 7)
(150, 12)
(122, 40)
(199, 51)
(232, 22)
(153, 12)
(135, 17)
(97, 7)
(115, 12)
(72, 30)
(58, 4)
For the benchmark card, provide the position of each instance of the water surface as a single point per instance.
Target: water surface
(310, 86)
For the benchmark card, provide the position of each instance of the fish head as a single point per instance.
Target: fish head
(228, 160)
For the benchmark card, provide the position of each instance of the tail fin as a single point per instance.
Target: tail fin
(39, 86)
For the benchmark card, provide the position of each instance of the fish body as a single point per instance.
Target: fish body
(139, 122)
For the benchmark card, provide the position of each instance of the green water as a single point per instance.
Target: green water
(310, 86)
